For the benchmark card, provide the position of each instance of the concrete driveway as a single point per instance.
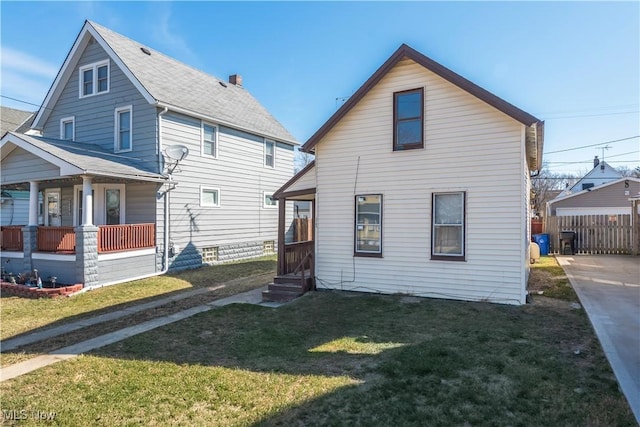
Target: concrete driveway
(609, 289)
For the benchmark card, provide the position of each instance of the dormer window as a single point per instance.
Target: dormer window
(94, 79)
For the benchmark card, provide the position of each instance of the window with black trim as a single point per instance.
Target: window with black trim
(408, 119)
(368, 225)
(448, 226)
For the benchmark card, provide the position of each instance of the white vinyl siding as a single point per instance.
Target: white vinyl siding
(68, 128)
(469, 147)
(94, 79)
(123, 129)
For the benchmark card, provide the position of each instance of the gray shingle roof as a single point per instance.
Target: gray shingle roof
(172, 82)
(93, 159)
(14, 120)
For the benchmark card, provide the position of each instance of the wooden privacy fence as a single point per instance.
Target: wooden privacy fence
(594, 234)
(302, 229)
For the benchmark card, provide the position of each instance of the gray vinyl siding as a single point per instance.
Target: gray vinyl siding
(240, 175)
(125, 268)
(609, 196)
(22, 166)
(65, 271)
(95, 115)
(140, 202)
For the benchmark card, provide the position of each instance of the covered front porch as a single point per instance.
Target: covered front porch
(296, 258)
(92, 222)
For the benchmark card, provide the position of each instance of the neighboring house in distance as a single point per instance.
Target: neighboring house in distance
(421, 186)
(14, 205)
(146, 165)
(601, 173)
(15, 120)
(611, 198)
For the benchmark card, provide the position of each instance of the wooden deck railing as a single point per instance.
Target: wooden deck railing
(11, 238)
(126, 237)
(294, 255)
(56, 239)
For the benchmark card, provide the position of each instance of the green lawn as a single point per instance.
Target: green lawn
(19, 315)
(334, 358)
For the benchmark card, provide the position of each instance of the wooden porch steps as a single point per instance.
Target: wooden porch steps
(288, 287)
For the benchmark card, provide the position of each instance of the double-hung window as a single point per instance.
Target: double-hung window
(448, 226)
(123, 128)
(408, 119)
(209, 197)
(67, 128)
(368, 225)
(94, 79)
(209, 140)
(269, 153)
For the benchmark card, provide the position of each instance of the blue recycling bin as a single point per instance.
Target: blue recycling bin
(543, 241)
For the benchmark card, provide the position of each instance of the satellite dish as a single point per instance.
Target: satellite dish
(176, 152)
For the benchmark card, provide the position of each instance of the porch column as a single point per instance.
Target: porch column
(33, 203)
(87, 201)
(282, 205)
(30, 232)
(87, 254)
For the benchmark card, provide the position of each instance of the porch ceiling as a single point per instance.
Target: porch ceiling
(68, 160)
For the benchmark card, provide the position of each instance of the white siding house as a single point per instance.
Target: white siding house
(421, 187)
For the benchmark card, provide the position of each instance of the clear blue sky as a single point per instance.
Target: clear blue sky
(575, 65)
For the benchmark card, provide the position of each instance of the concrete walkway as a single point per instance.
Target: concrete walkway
(609, 289)
(65, 353)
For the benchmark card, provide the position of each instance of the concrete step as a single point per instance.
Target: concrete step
(280, 296)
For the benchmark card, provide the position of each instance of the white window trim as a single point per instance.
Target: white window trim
(264, 155)
(99, 202)
(94, 66)
(116, 129)
(65, 120)
(205, 188)
(215, 132)
(264, 200)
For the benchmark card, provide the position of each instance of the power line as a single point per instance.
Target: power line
(593, 115)
(592, 145)
(20, 100)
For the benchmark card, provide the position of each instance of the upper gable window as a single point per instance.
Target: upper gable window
(123, 125)
(408, 119)
(67, 128)
(269, 153)
(209, 140)
(94, 79)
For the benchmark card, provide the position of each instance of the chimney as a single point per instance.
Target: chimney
(596, 161)
(235, 79)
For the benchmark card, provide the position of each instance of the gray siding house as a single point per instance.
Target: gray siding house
(145, 165)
